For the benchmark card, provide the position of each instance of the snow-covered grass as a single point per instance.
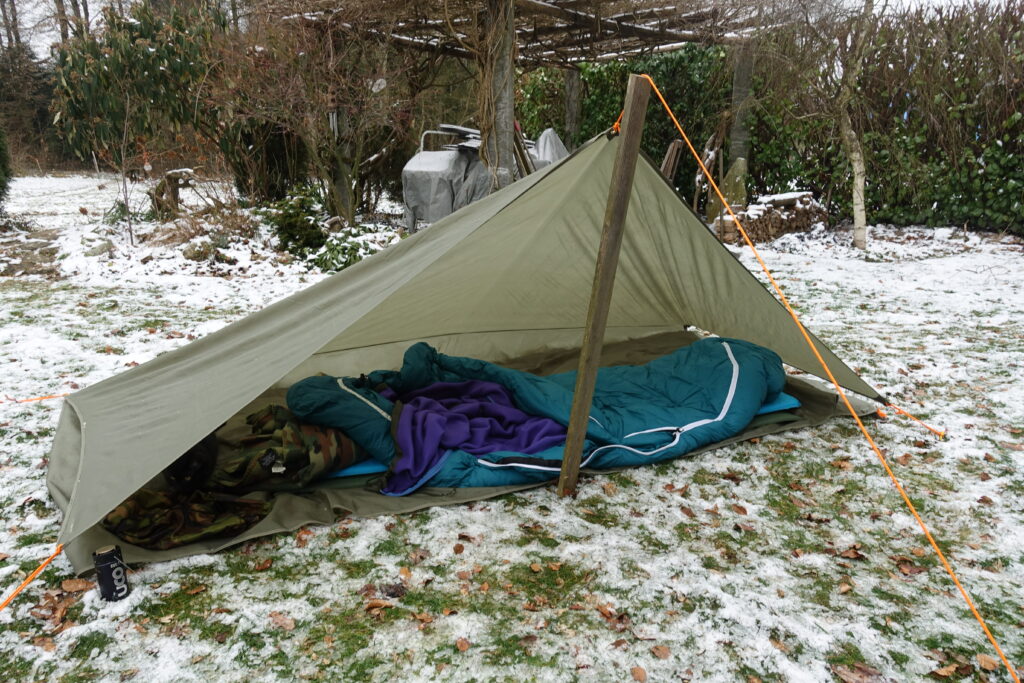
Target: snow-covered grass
(788, 559)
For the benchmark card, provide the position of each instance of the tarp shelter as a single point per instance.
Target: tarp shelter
(506, 279)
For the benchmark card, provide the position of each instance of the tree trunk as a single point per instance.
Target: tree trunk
(573, 102)
(76, 22)
(12, 12)
(739, 133)
(62, 20)
(496, 104)
(855, 153)
(342, 201)
(852, 67)
(85, 16)
(7, 23)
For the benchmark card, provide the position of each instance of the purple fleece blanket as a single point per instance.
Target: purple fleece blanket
(477, 417)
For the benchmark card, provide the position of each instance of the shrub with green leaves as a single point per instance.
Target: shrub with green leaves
(939, 109)
(299, 219)
(146, 75)
(348, 246)
(300, 224)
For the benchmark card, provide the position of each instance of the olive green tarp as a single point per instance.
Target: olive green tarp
(506, 278)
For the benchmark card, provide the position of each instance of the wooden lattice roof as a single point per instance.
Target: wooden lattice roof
(560, 32)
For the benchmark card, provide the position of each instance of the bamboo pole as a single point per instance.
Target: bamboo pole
(637, 93)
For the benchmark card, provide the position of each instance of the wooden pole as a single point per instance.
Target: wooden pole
(671, 161)
(637, 93)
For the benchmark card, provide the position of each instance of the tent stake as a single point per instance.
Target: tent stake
(637, 93)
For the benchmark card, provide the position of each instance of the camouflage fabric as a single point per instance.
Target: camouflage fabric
(282, 454)
(159, 520)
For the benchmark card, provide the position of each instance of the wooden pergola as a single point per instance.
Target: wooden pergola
(565, 32)
(502, 35)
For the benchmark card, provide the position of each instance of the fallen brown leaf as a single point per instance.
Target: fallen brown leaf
(44, 642)
(196, 589)
(688, 512)
(910, 569)
(987, 663)
(462, 644)
(639, 674)
(738, 509)
(282, 621)
(418, 555)
(853, 552)
(661, 651)
(857, 673)
(264, 565)
(76, 585)
(394, 590)
(302, 538)
(946, 671)
(458, 549)
(536, 568)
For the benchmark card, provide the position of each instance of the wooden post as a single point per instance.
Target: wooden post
(671, 161)
(637, 93)
(573, 102)
(496, 96)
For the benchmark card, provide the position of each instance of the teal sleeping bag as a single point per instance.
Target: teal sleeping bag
(702, 393)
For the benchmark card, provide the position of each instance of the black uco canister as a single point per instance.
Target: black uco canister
(111, 573)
